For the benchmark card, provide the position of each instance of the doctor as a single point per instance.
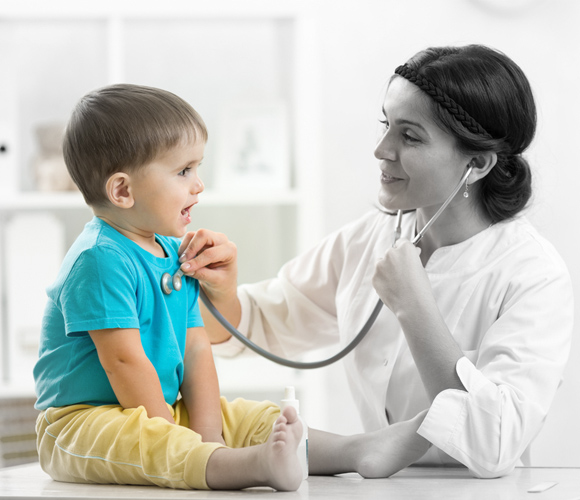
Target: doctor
(478, 322)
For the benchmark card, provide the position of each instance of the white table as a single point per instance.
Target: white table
(28, 481)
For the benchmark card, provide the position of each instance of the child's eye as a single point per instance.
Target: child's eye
(185, 171)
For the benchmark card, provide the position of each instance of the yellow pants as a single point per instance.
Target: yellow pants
(109, 444)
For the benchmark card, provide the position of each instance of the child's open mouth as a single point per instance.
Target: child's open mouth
(186, 214)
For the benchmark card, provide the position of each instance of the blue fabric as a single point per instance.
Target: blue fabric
(108, 281)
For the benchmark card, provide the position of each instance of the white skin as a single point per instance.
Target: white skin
(420, 166)
(158, 198)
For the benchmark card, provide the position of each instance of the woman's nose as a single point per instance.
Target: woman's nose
(384, 149)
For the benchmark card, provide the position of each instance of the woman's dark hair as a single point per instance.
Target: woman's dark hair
(495, 93)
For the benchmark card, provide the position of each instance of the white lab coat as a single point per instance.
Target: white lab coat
(505, 295)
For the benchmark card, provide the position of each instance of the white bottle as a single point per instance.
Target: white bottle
(290, 400)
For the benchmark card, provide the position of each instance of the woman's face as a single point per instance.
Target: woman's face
(419, 161)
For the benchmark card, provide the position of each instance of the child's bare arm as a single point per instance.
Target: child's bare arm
(130, 372)
(200, 388)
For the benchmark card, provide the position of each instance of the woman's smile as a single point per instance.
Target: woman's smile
(389, 179)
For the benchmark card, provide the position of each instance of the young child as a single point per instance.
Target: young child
(116, 351)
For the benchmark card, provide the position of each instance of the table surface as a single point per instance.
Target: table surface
(29, 481)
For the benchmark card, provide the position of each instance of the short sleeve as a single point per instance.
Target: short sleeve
(100, 292)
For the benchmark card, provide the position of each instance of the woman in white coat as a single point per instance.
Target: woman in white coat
(478, 322)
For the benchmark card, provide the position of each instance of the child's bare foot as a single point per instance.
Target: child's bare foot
(385, 452)
(273, 463)
(278, 458)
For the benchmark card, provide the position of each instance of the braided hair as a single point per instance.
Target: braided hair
(484, 100)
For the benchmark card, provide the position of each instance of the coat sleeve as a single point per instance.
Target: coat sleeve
(294, 313)
(511, 384)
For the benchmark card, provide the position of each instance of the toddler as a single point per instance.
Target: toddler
(126, 382)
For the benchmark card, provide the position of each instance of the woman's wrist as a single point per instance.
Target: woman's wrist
(231, 310)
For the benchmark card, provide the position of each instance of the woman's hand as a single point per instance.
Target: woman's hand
(400, 279)
(403, 285)
(211, 258)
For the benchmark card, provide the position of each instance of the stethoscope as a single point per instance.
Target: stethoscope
(169, 282)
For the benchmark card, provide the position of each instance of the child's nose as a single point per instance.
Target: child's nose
(198, 186)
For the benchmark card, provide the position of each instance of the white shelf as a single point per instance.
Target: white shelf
(41, 201)
(221, 198)
(271, 59)
(10, 391)
(137, 9)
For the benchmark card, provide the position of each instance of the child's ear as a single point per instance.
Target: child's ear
(119, 191)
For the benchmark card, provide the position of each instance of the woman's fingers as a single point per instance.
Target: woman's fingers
(195, 242)
(184, 245)
(209, 257)
(399, 276)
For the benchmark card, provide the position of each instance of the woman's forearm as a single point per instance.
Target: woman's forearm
(434, 349)
(229, 306)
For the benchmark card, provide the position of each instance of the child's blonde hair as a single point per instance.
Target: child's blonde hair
(121, 128)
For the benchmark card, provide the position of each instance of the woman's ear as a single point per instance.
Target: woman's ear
(118, 189)
(482, 165)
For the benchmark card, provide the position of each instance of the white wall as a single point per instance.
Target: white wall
(361, 44)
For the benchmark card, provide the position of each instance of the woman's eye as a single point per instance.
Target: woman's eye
(410, 138)
(385, 123)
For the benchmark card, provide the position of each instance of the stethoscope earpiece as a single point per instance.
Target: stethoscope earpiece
(170, 283)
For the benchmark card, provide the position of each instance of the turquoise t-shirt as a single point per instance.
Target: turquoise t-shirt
(108, 281)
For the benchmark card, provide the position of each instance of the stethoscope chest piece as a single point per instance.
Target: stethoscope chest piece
(170, 283)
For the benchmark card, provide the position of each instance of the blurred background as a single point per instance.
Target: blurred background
(290, 92)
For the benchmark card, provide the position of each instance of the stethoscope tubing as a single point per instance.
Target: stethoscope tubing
(430, 222)
(309, 365)
(301, 365)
